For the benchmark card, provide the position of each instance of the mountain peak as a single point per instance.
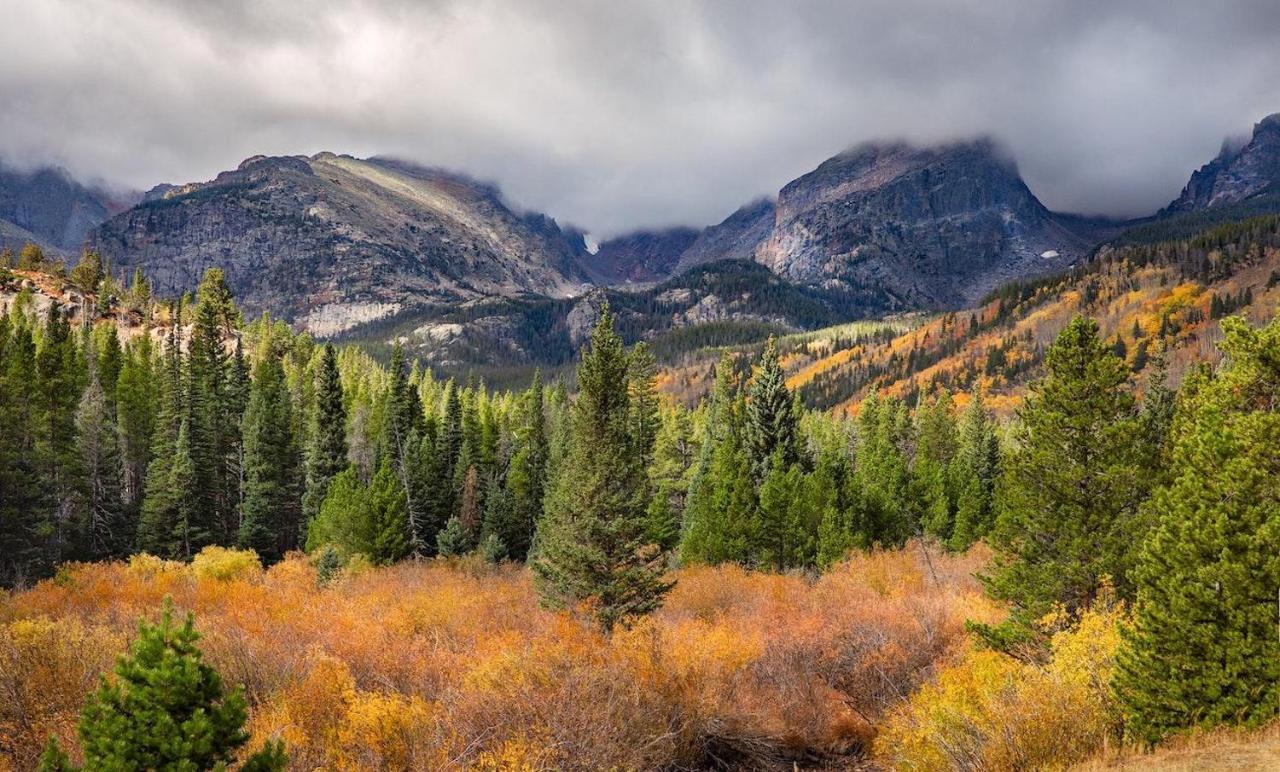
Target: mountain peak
(1242, 170)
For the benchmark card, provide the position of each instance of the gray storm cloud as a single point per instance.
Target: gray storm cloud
(621, 115)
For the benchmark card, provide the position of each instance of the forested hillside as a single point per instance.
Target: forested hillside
(1152, 292)
(404, 571)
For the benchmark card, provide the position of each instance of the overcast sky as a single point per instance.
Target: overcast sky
(615, 115)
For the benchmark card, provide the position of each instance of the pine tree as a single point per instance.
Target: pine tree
(389, 518)
(881, 474)
(401, 439)
(836, 505)
(213, 413)
(770, 417)
(501, 525)
(974, 473)
(59, 373)
(527, 476)
(166, 709)
(936, 447)
(1202, 650)
(327, 454)
(136, 397)
(103, 530)
(1072, 487)
(721, 514)
(23, 497)
(592, 547)
(271, 521)
(784, 537)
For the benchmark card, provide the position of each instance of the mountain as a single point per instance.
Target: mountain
(48, 207)
(638, 257)
(1145, 297)
(1240, 172)
(503, 338)
(933, 227)
(737, 237)
(902, 226)
(331, 241)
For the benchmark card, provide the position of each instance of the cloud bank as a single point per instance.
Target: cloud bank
(621, 115)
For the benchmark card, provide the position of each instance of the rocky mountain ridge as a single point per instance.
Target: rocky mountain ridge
(331, 242)
(1241, 171)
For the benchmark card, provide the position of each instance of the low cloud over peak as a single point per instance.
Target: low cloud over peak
(617, 116)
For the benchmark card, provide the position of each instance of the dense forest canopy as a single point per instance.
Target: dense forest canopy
(1124, 517)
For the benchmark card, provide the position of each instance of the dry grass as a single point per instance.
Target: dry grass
(1224, 749)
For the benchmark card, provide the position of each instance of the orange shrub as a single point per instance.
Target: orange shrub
(454, 664)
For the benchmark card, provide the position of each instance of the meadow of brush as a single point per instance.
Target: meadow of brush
(442, 664)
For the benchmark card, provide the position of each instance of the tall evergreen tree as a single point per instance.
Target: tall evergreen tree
(213, 418)
(59, 370)
(1072, 487)
(272, 519)
(1202, 650)
(720, 516)
(23, 497)
(327, 453)
(592, 546)
(974, 473)
(527, 476)
(770, 416)
(137, 393)
(103, 529)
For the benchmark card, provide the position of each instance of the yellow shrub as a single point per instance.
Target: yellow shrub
(992, 712)
(224, 564)
(149, 566)
(46, 669)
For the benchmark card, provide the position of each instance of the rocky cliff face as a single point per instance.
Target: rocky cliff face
(1240, 172)
(929, 227)
(333, 241)
(639, 257)
(902, 227)
(737, 237)
(48, 207)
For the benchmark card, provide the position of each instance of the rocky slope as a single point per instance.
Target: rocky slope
(503, 339)
(48, 207)
(902, 226)
(737, 237)
(1240, 172)
(931, 227)
(332, 241)
(639, 257)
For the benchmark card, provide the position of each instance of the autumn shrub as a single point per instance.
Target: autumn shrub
(225, 564)
(442, 663)
(47, 667)
(992, 712)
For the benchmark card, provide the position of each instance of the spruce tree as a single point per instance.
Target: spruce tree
(213, 413)
(974, 474)
(327, 453)
(721, 513)
(271, 521)
(22, 494)
(592, 545)
(166, 709)
(137, 393)
(1071, 489)
(59, 370)
(527, 476)
(1202, 650)
(103, 530)
(936, 447)
(770, 416)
